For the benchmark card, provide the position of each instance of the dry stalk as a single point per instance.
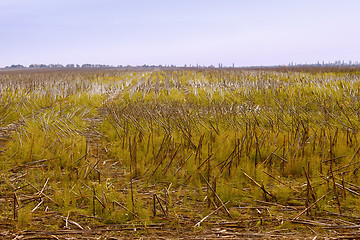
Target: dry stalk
(217, 196)
(335, 189)
(203, 219)
(132, 213)
(41, 193)
(161, 206)
(262, 187)
(306, 209)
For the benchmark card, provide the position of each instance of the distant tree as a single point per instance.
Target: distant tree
(16, 66)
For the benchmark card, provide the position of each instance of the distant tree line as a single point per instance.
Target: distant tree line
(87, 65)
(220, 65)
(323, 63)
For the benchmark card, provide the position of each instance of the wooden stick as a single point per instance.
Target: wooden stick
(67, 221)
(187, 180)
(14, 205)
(348, 165)
(154, 205)
(280, 157)
(356, 152)
(42, 193)
(94, 212)
(37, 206)
(162, 208)
(217, 196)
(171, 160)
(332, 159)
(347, 189)
(76, 224)
(342, 185)
(306, 209)
(98, 199)
(268, 157)
(9, 183)
(183, 163)
(43, 188)
(335, 189)
(260, 186)
(91, 168)
(313, 195)
(198, 224)
(134, 214)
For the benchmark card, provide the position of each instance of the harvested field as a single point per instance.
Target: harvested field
(180, 154)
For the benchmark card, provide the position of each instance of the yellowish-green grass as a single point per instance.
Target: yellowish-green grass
(111, 144)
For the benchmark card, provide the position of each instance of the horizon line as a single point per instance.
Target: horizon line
(219, 65)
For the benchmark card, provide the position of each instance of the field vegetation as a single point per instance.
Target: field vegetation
(215, 152)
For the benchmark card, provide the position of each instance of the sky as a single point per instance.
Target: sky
(179, 32)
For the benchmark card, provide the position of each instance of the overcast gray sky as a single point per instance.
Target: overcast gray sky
(205, 32)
